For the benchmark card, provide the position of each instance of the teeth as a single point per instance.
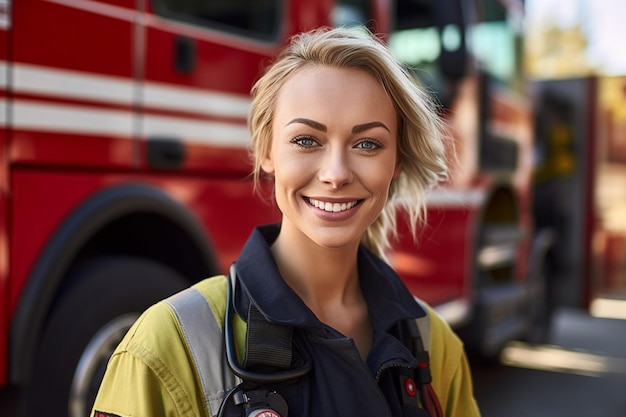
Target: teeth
(332, 207)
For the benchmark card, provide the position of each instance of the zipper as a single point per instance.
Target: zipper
(390, 365)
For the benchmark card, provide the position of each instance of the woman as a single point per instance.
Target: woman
(346, 137)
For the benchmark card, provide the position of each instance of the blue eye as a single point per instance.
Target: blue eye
(304, 141)
(368, 145)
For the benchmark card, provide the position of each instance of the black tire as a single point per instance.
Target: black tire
(103, 299)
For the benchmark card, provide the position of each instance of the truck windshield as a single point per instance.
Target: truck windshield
(491, 34)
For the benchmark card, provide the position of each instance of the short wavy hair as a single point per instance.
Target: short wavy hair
(421, 141)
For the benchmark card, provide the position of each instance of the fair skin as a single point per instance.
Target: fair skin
(333, 156)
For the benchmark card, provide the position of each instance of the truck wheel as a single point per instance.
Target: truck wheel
(101, 300)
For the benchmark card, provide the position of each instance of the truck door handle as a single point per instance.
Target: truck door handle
(165, 153)
(184, 55)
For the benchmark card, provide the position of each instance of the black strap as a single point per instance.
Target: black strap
(268, 345)
(270, 348)
(416, 344)
(419, 400)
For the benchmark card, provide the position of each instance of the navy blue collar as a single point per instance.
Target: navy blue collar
(388, 299)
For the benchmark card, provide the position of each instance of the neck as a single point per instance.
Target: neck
(327, 280)
(322, 277)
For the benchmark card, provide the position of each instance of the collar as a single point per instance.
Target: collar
(259, 280)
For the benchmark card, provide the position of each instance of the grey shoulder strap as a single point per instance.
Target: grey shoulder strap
(204, 338)
(423, 324)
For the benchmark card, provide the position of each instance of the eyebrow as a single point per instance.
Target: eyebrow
(321, 127)
(309, 122)
(366, 126)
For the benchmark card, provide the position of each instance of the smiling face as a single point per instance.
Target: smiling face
(333, 154)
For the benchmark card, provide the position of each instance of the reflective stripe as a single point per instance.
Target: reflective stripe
(101, 89)
(204, 339)
(423, 325)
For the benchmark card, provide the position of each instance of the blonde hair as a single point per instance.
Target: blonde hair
(420, 143)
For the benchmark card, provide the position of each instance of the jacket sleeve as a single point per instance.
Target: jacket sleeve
(149, 372)
(452, 379)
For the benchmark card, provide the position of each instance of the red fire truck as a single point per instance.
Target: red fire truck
(124, 174)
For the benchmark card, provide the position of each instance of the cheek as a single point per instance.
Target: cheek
(288, 183)
(378, 176)
(290, 173)
(382, 190)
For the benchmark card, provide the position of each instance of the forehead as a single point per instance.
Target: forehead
(322, 92)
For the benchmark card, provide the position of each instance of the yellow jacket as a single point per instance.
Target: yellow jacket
(149, 373)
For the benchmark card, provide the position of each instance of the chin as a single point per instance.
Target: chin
(338, 239)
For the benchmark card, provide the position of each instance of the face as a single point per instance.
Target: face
(333, 154)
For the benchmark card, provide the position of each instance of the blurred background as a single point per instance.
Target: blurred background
(124, 177)
(575, 62)
(577, 38)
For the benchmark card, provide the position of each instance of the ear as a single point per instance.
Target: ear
(398, 168)
(267, 165)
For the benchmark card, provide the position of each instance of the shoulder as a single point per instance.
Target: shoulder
(152, 361)
(442, 336)
(445, 347)
(157, 338)
(156, 327)
(159, 354)
(449, 368)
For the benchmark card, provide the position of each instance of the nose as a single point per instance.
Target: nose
(335, 168)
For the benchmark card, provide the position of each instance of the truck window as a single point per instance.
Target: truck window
(495, 39)
(417, 41)
(259, 19)
(352, 13)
